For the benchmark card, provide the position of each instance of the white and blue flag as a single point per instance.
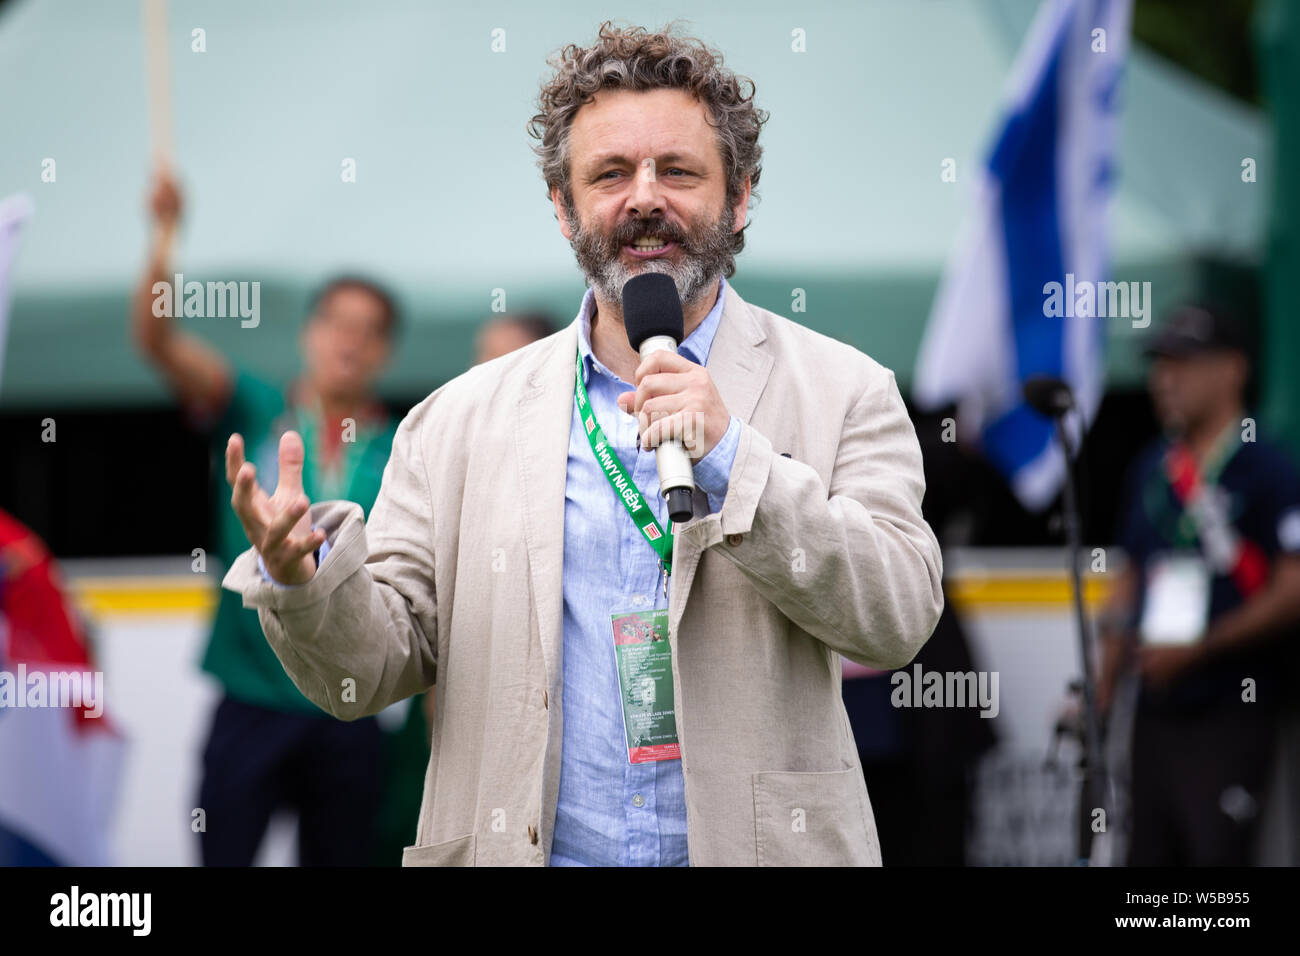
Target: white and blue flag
(1040, 219)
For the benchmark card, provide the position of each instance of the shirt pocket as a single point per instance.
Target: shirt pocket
(813, 819)
(457, 852)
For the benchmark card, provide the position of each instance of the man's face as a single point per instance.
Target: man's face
(344, 342)
(646, 166)
(1189, 390)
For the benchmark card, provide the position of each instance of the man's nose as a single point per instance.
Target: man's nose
(647, 197)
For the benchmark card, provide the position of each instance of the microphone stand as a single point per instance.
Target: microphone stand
(1094, 767)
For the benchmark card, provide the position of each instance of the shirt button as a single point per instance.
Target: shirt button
(638, 800)
(532, 834)
(735, 539)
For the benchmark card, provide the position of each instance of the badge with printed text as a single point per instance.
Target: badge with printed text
(645, 681)
(1177, 600)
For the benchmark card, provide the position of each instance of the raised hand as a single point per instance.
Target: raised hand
(165, 199)
(279, 526)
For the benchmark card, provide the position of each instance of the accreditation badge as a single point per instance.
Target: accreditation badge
(1177, 606)
(645, 681)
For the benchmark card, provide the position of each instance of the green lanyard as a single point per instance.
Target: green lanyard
(628, 493)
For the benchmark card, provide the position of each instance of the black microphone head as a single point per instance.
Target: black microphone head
(1049, 396)
(651, 307)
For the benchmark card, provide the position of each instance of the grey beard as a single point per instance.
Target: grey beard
(698, 273)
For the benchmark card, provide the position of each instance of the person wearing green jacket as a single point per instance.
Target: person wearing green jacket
(269, 748)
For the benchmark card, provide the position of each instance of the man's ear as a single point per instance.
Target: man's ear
(741, 210)
(558, 201)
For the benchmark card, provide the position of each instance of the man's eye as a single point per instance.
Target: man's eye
(671, 169)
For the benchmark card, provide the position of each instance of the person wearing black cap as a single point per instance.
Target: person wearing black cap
(1206, 611)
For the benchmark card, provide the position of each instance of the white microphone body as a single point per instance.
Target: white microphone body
(670, 454)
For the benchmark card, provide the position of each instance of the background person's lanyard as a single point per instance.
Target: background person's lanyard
(1182, 471)
(624, 487)
(1229, 552)
(320, 481)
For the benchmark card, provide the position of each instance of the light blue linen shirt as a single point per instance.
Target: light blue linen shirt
(611, 812)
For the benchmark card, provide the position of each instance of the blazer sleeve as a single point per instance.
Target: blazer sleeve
(855, 565)
(362, 633)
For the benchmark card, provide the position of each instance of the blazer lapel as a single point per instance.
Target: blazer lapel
(738, 368)
(542, 422)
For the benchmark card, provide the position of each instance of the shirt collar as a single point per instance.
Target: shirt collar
(697, 344)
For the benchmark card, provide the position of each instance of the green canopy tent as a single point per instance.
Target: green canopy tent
(867, 101)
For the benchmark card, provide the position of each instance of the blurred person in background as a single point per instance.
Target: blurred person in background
(1206, 612)
(354, 787)
(509, 332)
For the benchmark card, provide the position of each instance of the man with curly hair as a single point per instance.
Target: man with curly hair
(519, 555)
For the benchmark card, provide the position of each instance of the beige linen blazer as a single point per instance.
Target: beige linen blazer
(454, 583)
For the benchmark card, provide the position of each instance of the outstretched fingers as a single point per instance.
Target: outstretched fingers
(247, 499)
(291, 458)
(234, 456)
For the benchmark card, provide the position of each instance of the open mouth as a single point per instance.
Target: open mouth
(650, 248)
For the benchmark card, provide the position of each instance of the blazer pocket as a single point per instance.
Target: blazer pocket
(813, 819)
(457, 852)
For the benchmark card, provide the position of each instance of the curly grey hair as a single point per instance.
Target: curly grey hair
(632, 58)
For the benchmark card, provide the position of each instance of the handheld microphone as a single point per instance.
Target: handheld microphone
(652, 315)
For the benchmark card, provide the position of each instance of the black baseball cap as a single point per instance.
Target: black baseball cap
(1196, 330)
